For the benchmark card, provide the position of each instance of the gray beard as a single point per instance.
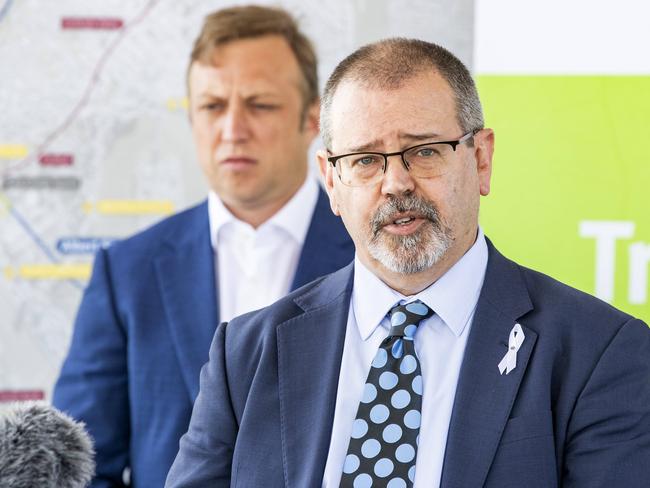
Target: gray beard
(413, 253)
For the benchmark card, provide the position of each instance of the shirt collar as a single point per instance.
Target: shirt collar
(453, 297)
(294, 217)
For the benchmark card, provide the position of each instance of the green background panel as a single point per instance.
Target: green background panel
(568, 149)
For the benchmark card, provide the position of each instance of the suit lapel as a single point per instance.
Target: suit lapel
(186, 276)
(327, 245)
(310, 347)
(484, 397)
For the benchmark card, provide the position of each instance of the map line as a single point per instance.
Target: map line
(66, 123)
(87, 92)
(5, 9)
(39, 242)
(28, 229)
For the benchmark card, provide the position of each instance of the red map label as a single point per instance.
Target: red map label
(21, 395)
(104, 23)
(56, 159)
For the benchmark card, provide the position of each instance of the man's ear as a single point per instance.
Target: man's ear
(327, 172)
(312, 117)
(484, 151)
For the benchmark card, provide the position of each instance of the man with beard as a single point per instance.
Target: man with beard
(432, 360)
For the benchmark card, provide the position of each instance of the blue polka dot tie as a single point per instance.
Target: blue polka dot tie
(384, 438)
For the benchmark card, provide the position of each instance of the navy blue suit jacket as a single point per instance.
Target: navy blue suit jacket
(143, 331)
(574, 412)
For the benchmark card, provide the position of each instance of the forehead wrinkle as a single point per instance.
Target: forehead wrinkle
(404, 137)
(224, 86)
(368, 146)
(425, 136)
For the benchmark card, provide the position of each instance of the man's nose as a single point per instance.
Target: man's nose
(234, 126)
(397, 179)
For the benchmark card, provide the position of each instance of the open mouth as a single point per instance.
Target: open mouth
(403, 224)
(403, 221)
(404, 216)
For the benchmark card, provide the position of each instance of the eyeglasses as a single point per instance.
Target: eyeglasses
(422, 161)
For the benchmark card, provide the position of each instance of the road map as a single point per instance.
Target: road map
(95, 142)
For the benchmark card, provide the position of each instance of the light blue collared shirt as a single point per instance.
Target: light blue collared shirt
(440, 345)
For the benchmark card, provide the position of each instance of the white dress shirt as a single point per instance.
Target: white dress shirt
(439, 343)
(255, 267)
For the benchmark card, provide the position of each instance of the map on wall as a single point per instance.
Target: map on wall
(95, 142)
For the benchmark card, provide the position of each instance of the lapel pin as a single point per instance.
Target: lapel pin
(516, 339)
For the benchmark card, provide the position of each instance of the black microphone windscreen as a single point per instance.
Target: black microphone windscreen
(42, 447)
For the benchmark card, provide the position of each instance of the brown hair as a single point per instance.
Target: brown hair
(246, 22)
(388, 63)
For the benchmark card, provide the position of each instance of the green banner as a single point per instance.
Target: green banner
(571, 182)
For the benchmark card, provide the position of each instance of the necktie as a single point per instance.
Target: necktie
(385, 432)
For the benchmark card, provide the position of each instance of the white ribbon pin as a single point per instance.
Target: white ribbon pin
(516, 339)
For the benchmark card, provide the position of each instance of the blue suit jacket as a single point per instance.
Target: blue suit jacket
(143, 332)
(574, 412)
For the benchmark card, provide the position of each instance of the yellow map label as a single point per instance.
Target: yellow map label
(13, 151)
(177, 103)
(130, 207)
(49, 272)
(4, 205)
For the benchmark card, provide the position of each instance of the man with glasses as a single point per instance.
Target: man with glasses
(432, 360)
(145, 324)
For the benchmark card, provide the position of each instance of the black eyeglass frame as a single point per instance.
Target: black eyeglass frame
(453, 144)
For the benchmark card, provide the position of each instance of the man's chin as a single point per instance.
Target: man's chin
(241, 196)
(408, 254)
(398, 240)
(405, 265)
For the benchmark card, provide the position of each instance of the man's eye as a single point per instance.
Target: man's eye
(427, 152)
(211, 107)
(264, 106)
(366, 160)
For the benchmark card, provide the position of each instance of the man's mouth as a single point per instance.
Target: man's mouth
(404, 216)
(403, 220)
(403, 224)
(237, 162)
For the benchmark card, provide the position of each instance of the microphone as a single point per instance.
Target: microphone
(42, 447)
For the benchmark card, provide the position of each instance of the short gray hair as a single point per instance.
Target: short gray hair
(388, 63)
